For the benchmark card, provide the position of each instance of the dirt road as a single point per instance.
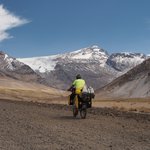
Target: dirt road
(33, 126)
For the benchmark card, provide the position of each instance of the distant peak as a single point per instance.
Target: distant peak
(131, 53)
(128, 54)
(95, 47)
(2, 53)
(4, 56)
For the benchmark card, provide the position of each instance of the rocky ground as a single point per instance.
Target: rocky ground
(34, 126)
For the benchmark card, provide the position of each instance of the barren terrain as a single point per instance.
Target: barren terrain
(130, 104)
(36, 126)
(27, 91)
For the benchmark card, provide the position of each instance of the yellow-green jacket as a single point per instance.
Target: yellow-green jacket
(78, 83)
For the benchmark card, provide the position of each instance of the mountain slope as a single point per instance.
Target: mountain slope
(10, 67)
(135, 83)
(20, 90)
(60, 70)
(125, 61)
(96, 66)
(48, 63)
(19, 81)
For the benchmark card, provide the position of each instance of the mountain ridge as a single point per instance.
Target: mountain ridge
(135, 83)
(12, 68)
(96, 66)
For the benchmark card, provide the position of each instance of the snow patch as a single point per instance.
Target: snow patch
(82, 56)
(42, 64)
(6, 56)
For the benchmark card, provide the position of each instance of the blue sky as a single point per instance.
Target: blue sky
(45, 27)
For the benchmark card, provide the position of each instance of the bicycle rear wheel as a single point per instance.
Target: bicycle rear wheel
(83, 113)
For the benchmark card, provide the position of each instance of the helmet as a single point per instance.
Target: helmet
(78, 76)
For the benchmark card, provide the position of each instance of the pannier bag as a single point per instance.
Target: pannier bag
(88, 91)
(86, 95)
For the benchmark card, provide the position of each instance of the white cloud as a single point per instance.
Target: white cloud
(8, 21)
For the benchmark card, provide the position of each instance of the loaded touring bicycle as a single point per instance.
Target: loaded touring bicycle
(81, 101)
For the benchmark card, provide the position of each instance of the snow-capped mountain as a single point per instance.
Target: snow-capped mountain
(88, 54)
(10, 67)
(93, 63)
(8, 63)
(134, 84)
(60, 70)
(125, 61)
(48, 63)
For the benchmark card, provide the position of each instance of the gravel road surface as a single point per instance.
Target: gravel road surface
(34, 126)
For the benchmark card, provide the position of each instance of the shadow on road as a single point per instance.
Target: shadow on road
(66, 118)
